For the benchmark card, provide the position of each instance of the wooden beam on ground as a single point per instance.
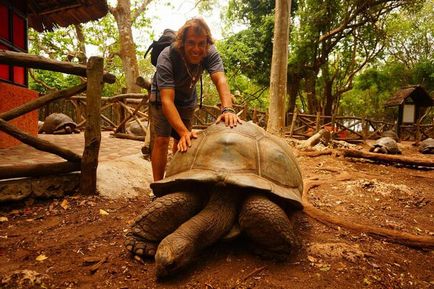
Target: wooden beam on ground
(41, 101)
(390, 159)
(38, 143)
(128, 136)
(92, 133)
(35, 61)
(38, 170)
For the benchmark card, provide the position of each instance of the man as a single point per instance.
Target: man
(173, 92)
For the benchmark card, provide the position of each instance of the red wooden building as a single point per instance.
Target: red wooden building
(15, 18)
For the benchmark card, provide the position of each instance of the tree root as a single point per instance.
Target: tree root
(393, 236)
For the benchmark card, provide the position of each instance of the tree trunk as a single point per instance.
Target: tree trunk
(328, 93)
(122, 14)
(279, 67)
(81, 54)
(293, 86)
(312, 103)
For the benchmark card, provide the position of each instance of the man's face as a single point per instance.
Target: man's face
(195, 47)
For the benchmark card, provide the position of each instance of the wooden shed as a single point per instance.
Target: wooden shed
(413, 102)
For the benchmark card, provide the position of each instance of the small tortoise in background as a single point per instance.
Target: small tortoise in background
(134, 128)
(385, 145)
(58, 123)
(229, 177)
(427, 146)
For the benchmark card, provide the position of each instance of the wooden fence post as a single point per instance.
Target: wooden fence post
(245, 111)
(417, 134)
(318, 121)
(364, 128)
(294, 119)
(92, 133)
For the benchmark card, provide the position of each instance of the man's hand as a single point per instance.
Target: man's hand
(185, 141)
(230, 118)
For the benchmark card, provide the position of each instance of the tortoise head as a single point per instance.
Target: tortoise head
(68, 129)
(173, 254)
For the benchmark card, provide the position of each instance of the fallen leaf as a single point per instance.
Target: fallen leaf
(325, 268)
(311, 259)
(64, 204)
(3, 219)
(103, 213)
(41, 258)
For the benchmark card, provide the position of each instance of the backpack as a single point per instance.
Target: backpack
(157, 46)
(166, 39)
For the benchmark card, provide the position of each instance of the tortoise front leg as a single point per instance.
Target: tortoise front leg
(159, 219)
(268, 226)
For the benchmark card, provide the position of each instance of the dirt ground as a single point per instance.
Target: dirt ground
(77, 241)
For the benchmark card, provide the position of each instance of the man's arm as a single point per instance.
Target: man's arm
(167, 96)
(228, 114)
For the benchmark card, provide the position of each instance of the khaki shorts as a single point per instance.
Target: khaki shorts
(161, 127)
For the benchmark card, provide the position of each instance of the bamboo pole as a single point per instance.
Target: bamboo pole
(92, 133)
(35, 61)
(38, 170)
(41, 101)
(37, 143)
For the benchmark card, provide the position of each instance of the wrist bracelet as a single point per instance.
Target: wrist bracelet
(228, 109)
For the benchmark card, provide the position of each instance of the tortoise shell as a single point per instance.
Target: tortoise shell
(245, 156)
(427, 146)
(57, 121)
(387, 143)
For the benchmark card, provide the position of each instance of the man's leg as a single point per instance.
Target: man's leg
(159, 157)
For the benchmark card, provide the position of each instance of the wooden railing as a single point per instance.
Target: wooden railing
(352, 129)
(208, 114)
(115, 112)
(88, 162)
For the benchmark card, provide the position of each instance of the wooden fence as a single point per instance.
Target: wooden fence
(208, 114)
(353, 129)
(88, 162)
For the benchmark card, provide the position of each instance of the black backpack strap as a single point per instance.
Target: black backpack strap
(149, 48)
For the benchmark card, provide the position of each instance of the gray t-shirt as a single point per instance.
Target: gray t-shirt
(181, 76)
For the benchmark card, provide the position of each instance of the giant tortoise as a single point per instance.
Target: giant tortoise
(427, 146)
(58, 123)
(385, 145)
(230, 177)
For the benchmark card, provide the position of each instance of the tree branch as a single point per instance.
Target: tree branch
(140, 10)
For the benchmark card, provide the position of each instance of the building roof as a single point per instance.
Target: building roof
(46, 14)
(416, 92)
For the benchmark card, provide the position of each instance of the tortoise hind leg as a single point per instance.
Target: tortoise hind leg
(159, 219)
(268, 226)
